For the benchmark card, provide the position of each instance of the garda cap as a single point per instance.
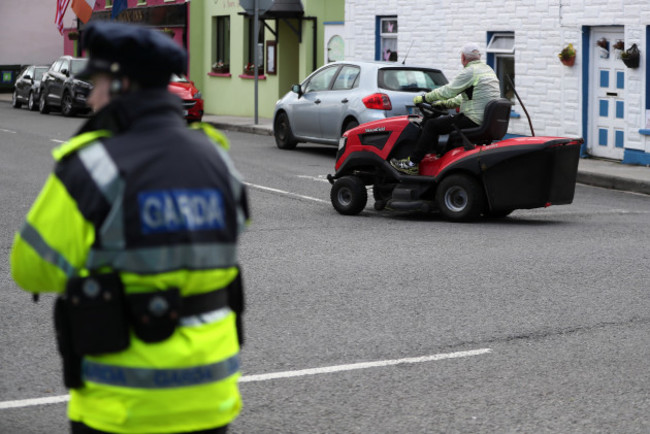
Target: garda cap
(145, 55)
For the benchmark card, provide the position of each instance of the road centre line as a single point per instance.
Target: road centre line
(363, 365)
(7, 131)
(285, 193)
(320, 178)
(286, 374)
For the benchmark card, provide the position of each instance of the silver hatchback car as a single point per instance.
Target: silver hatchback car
(341, 95)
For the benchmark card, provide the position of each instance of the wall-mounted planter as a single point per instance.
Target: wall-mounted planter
(568, 55)
(631, 57)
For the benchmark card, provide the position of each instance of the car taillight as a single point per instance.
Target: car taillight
(377, 101)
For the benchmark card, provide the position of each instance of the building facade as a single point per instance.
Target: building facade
(598, 97)
(291, 43)
(27, 38)
(169, 16)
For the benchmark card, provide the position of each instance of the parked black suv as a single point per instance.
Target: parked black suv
(28, 87)
(61, 90)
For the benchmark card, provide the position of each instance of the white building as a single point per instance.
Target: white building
(598, 98)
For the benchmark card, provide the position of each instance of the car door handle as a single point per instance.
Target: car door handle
(612, 93)
(344, 100)
(317, 101)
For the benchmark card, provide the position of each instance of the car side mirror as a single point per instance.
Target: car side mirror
(28, 77)
(297, 89)
(64, 72)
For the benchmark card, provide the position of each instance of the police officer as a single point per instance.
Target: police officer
(137, 229)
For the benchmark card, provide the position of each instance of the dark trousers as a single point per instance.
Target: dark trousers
(80, 428)
(432, 128)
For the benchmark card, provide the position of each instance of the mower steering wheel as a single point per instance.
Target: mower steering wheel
(430, 111)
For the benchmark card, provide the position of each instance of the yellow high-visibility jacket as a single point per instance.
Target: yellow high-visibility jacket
(163, 206)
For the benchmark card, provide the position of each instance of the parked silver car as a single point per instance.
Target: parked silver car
(341, 95)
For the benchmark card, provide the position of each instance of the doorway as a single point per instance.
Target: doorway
(606, 94)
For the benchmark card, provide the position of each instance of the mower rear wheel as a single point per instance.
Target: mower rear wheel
(349, 195)
(460, 198)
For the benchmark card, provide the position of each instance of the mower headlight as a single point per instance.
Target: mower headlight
(342, 141)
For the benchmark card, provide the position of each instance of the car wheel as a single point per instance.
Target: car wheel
(349, 195)
(42, 106)
(14, 100)
(67, 108)
(282, 131)
(352, 123)
(460, 198)
(31, 103)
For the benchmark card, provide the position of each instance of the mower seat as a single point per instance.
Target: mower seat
(494, 127)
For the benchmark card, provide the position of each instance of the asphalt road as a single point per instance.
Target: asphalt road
(385, 323)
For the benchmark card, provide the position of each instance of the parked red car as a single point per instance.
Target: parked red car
(191, 96)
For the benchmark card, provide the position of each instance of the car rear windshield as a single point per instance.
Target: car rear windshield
(38, 73)
(77, 65)
(178, 79)
(410, 80)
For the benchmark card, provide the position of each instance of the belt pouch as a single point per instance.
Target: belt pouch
(71, 360)
(97, 314)
(155, 315)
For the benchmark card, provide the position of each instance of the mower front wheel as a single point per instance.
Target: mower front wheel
(460, 198)
(349, 195)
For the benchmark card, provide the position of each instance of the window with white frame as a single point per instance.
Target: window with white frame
(501, 57)
(387, 43)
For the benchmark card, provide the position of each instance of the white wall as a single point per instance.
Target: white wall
(28, 33)
(551, 92)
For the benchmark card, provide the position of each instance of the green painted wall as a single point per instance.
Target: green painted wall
(234, 95)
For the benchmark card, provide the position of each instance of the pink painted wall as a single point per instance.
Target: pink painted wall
(69, 46)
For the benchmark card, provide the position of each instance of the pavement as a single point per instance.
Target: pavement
(591, 171)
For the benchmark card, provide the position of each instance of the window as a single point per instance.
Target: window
(64, 68)
(142, 2)
(255, 44)
(410, 79)
(387, 39)
(321, 80)
(501, 57)
(347, 78)
(222, 44)
(109, 4)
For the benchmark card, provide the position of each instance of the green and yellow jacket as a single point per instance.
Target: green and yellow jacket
(138, 193)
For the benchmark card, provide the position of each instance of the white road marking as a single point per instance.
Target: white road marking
(285, 193)
(363, 365)
(286, 374)
(36, 401)
(57, 141)
(320, 178)
(7, 131)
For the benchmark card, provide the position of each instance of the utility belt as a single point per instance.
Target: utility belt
(95, 316)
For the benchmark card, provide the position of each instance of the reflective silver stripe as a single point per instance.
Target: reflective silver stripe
(149, 378)
(205, 318)
(31, 236)
(102, 169)
(106, 175)
(168, 258)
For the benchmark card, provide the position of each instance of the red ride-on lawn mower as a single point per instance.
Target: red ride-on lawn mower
(476, 176)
